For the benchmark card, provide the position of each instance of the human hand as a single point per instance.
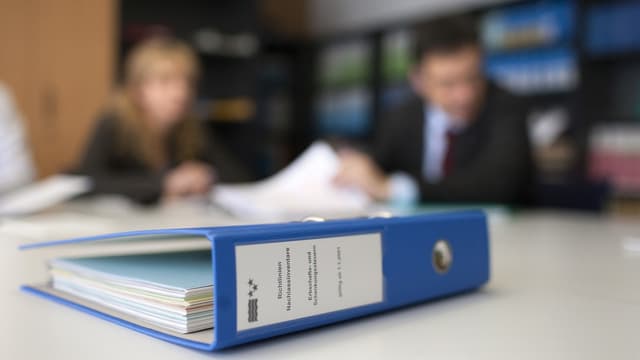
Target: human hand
(359, 170)
(189, 178)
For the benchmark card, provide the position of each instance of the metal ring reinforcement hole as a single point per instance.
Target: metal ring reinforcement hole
(442, 256)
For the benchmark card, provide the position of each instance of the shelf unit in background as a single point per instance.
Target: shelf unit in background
(532, 50)
(344, 102)
(611, 64)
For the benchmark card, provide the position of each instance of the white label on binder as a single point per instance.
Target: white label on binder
(288, 280)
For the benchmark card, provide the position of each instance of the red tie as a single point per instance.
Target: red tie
(447, 164)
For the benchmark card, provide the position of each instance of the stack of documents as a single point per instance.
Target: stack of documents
(44, 194)
(173, 291)
(304, 188)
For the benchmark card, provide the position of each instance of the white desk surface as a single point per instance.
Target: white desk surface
(563, 286)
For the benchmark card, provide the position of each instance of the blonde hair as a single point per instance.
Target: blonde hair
(134, 135)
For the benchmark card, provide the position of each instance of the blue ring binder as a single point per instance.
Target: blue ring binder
(407, 273)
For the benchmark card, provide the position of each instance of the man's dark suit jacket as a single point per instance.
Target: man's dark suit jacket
(491, 157)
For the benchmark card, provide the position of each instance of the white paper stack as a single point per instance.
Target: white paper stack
(304, 188)
(44, 194)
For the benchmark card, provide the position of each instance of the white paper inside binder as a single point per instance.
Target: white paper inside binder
(304, 188)
(162, 282)
(172, 290)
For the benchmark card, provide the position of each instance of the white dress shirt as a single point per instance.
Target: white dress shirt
(404, 188)
(435, 146)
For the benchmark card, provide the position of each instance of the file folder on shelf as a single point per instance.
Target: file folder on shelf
(272, 279)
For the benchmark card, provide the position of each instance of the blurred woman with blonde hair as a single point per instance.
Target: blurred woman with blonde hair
(149, 145)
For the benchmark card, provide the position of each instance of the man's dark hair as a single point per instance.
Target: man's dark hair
(445, 35)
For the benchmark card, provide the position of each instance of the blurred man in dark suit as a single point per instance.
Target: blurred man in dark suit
(461, 139)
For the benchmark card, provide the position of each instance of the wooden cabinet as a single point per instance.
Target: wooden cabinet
(58, 58)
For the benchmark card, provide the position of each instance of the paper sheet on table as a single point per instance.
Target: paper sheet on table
(304, 188)
(43, 194)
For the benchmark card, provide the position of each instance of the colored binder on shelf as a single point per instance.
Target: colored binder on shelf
(272, 279)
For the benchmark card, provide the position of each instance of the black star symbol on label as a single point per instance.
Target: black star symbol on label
(250, 293)
(250, 281)
(255, 287)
